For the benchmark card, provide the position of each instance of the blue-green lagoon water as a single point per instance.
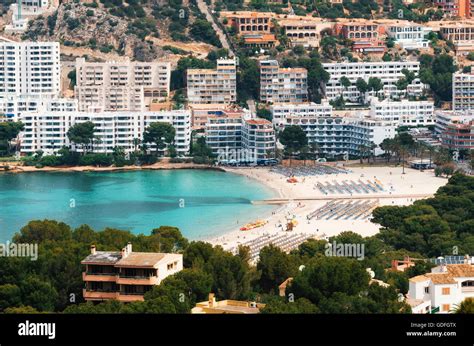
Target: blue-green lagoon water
(202, 203)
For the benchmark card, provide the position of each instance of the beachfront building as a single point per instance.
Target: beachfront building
(388, 72)
(306, 32)
(234, 137)
(126, 275)
(211, 86)
(461, 34)
(211, 306)
(121, 86)
(441, 290)
(47, 130)
(281, 111)
(406, 113)
(14, 106)
(409, 35)
(455, 129)
(463, 91)
(282, 84)
(200, 113)
(30, 69)
(339, 135)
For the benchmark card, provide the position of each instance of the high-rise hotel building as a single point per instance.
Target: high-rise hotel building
(213, 86)
(463, 91)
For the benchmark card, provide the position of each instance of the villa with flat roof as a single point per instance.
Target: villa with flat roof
(126, 275)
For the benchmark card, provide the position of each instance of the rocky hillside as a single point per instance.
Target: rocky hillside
(125, 27)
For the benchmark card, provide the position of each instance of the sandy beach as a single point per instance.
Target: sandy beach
(296, 200)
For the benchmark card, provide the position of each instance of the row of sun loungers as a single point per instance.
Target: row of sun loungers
(304, 171)
(285, 241)
(341, 210)
(350, 187)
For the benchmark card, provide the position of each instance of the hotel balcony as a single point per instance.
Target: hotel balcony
(137, 280)
(103, 277)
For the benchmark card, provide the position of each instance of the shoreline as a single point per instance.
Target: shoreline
(68, 169)
(302, 198)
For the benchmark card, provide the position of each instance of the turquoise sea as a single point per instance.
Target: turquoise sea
(202, 203)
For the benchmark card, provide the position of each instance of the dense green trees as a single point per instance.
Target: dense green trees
(202, 30)
(434, 226)
(159, 133)
(274, 266)
(293, 138)
(437, 71)
(8, 132)
(82, 134)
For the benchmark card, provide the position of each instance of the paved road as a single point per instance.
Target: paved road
(222, 37)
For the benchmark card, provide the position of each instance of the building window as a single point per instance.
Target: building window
(446, 291)
(446, 307)
(427, 290)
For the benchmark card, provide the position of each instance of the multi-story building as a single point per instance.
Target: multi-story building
(24, 10)
(339, 135)
(455, 8)
(409, 35)
(258, 137)
(121, 86)
(281, 111)
(126, 275)
(30, 69)
(461, 34)
(463, 91)
(442, 289)
(282, 84)
(406, 113)
(305, 32)
(14, 106)
(388, 72)
(200, 113)
(213, 85)
(250, 22)
(47, 131)
(359, 30)
(455, 129)
(234, 137)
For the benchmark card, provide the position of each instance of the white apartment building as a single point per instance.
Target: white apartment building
(339, 135)
(213, 85)
(28, 10)
(47, 131)
(12, 106)
(281, 111)
(389, 73)
(233, 137)
(444, 119)
(29, 69)
(409, 35)
(406, 113)
(463, 91)
(279, 85)
(121, 86)
(442, 289)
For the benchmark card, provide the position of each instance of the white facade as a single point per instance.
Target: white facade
(121, 86)
(406, 113)
(281, 111)
(29, 69)
(409, 35)
(47, 131)
(444, 288)
(282, 84)
(463, 91)
(389, 73)
(443, 119)
(13, 106)
(339, 135)
(213, 86)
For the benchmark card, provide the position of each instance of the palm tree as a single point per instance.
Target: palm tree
(465, 307)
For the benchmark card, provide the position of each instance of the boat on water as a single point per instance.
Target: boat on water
(252, 225)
